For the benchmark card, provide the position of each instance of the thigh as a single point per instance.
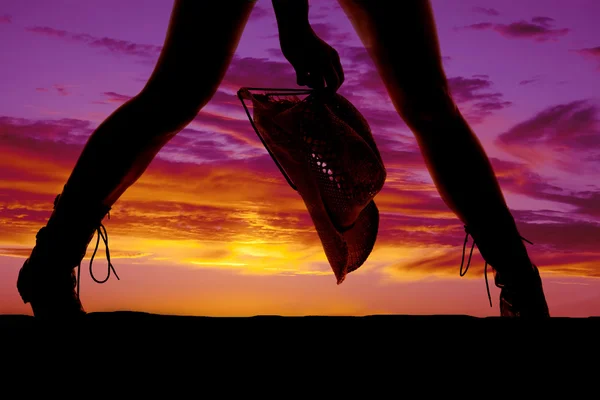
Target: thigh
(401, 38)
(200, 43)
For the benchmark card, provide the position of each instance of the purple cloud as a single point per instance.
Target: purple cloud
(64, 138)
(112, 97)
(479, 26)
(65, 131)
(472, 91)
(257, 72)
(520, 178)
(114, 46)
(260, 12)
(539, 29)
(529, 81)
(221, 130)
(543, 21)
(573, 126)
(5, 19)
(487, 11)
(326, 31)
(363, 81)
(60, 89)
(592, 53)
(329, 33)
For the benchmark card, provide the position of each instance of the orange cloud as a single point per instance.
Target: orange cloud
(213, 198)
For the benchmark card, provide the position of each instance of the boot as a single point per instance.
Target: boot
(522, 293)
(47, 279)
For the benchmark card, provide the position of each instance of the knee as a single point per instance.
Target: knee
(422, 106)
(174, 108)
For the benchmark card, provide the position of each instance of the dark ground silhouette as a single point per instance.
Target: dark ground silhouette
(403, 356)
(395, 338)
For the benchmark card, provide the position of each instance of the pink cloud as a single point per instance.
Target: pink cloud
(561, 231)
(571, 129)
(551, 249)
(521, 179)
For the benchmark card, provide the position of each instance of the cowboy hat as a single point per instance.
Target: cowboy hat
(324, 148)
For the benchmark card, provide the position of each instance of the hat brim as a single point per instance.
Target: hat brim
(346, 249)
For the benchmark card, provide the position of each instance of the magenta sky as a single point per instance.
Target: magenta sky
(525, 74)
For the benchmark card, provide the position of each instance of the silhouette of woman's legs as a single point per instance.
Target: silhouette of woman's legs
(200, 43)
(405, 49)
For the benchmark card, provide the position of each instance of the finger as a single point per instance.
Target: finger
(337, 65)
(301, 79)
(315, 80)
(331, 78)
(301, 76)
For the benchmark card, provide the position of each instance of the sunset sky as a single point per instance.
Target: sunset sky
(212, 228)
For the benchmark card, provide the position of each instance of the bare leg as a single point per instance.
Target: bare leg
(405, 49)
(406, 52)
(200, 43)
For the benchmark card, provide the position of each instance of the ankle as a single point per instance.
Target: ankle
(503, 248)
(74, 221)
(58, 250)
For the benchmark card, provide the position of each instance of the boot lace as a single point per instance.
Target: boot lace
(101, 233)
(485, 270)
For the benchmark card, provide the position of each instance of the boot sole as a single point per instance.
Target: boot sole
(40, 308)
